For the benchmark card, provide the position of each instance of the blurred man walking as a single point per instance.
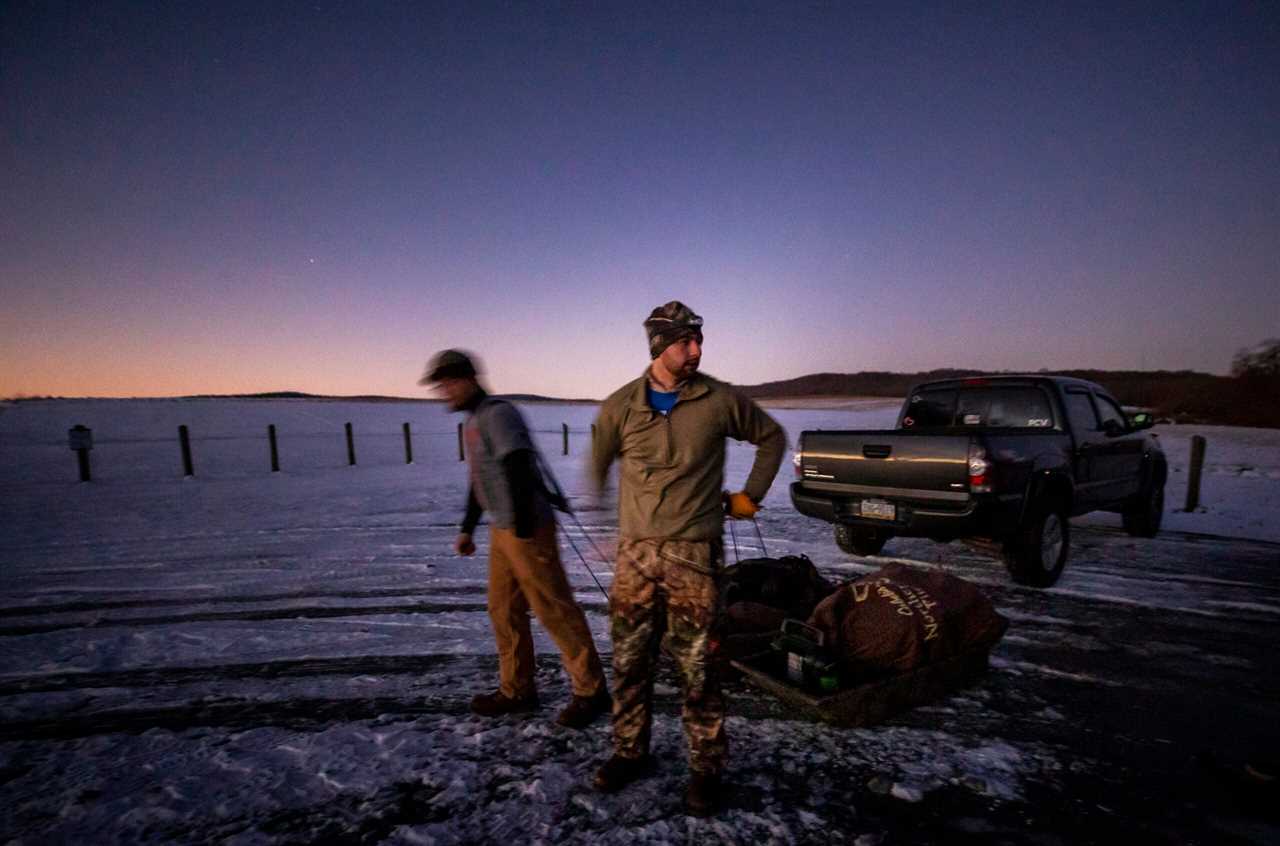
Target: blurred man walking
(525, 571)
(668, 430)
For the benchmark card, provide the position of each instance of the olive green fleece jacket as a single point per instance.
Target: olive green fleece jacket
(671, 468)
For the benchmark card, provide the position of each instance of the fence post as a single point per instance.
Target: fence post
(566, 437)
(351, 446)
(408, 446)
(275, 453)
(81, 440)
(184, 438)
(462, 456)
(1193, 473)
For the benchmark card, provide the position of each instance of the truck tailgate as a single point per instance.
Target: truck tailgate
(887, 463)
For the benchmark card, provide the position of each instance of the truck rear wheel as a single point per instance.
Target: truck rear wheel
(860, 541)
(1142, 517)
(1036, 555)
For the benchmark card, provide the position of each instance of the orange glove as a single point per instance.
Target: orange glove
(739, 506)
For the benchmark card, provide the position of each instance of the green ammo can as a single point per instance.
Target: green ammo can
(807, 663)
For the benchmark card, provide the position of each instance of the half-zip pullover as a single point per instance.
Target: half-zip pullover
(671, 467)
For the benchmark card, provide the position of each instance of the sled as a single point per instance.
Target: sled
(869, 702)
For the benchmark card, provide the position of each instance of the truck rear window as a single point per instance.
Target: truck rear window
(1014, 406)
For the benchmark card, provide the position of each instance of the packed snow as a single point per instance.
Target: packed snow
(245, 656)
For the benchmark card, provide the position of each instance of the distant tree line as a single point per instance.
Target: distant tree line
(1250, 396)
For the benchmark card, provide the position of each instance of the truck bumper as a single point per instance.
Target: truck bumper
(975, 517)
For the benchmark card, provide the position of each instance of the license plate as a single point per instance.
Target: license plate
(879, 509)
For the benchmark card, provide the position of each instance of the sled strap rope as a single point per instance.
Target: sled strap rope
(733, 536)
(587, 535)
(583, 557)
(561, 503)
(760, 535)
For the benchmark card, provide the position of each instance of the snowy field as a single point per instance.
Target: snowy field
(256, 657)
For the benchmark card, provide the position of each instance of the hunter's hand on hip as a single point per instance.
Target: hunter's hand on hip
(739, 506)
(463, 545)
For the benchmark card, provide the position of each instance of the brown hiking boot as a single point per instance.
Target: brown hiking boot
(497, 703)
(582, 710)
(702, 798)
(618, 772)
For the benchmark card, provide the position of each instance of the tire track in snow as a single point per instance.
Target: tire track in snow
(76, 607)
(222, 535)
(317, 713)
(290, 713)
(289, 613)
(303, 668)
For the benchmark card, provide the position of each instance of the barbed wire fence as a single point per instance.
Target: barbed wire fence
(185, 445)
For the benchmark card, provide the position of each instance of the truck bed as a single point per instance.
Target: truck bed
(923, 466)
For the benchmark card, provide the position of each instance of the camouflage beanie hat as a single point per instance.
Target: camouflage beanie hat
(669, 323)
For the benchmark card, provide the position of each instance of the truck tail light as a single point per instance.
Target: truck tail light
(979, 467)
(797, 459)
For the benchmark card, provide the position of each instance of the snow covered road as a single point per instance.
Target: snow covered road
(284, 658)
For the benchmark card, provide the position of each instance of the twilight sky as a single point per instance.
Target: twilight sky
(237, 197)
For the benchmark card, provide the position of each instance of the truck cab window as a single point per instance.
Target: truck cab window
(1007, 407)
(929, 409)
(1080, 410)
(1110, 411)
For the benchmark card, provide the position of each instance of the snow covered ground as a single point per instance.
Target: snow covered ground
(257, 657)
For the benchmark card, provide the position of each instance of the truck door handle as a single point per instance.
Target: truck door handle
(876, 450)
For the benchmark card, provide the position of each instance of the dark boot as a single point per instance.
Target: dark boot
(582, 710)
(702, 798)
(496, 704)
(618, 772)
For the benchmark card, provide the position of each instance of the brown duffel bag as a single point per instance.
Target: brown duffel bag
(900, 618)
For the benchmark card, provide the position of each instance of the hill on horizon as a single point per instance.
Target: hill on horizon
(372, 397)
(1183, 395)
(1138, 387)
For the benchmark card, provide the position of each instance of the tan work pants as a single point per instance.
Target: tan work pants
(526, 574)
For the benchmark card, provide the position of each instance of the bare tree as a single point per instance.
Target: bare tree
(1258, 362)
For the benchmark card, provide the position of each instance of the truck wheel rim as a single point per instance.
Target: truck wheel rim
(1051, 542)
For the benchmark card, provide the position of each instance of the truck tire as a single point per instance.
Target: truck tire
(1036, 555)
(860, 541)
(1142, 517)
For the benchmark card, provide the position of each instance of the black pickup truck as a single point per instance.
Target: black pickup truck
(1004, 461)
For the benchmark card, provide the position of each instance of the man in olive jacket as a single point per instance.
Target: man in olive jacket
(667, 429)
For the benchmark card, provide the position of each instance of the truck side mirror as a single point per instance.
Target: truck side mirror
(1141, 420)
(1113, 427)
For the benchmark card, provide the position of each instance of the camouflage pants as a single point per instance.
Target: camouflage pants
(665, 593)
